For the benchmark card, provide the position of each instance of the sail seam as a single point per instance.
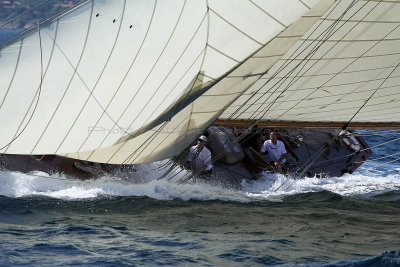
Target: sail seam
(325, 97)
(14, 72)
(66, 90)
(95, 85)
(123, 79)
(175, 64)
(301, 1)
(149, 73)
(236, 28)
(340, 58)
(204, 55)
(268, 14)
(39, 87)
(332, 104)
(283, 66)
(334, 73)
(327, 33)
(176, 84)
(332, 32)
(356, 41)
(360, 34)
(222, 53)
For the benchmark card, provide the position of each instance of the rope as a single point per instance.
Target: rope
(22, 14)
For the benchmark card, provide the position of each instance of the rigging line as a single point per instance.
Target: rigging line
(123, 79)
(41, 162)
(22, 14)
(148, 141)
(328, 34)
(375, 159)
(315, 157)
(166, 122)
(345, 126)
(320, 106)
(377, 131)
(286, 63)
(361, 150)
(28, 30)
(381, 164)
(343, 49)
(377, 134)
(40, 90)
(295, 79)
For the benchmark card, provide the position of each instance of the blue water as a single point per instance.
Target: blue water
(7, 33)
(338, 221)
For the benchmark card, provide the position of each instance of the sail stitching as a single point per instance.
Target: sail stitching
(236, 28)
(91, 95)
(301, 1)
(268, 14)
(165, 78)
(204, 55)
(38, 98)
(340, 96)
(123, 79)
(283, 66)
(43, 75)
(343, 50)
(66, 90)
(149, 73)
(329, 32)
(370, 97)
(13, 75)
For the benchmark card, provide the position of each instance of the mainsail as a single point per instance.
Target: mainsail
(137, 81)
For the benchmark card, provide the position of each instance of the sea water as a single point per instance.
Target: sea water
(338, 221)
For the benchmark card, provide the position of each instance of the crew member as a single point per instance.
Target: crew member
(200, 157)
(276, 151)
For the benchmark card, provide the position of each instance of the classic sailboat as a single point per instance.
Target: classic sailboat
(129, 82)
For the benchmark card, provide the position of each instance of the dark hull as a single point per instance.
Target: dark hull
(319, 154)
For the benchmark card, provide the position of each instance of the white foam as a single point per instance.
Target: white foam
(270, 187)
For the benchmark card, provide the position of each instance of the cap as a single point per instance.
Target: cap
(203, 138)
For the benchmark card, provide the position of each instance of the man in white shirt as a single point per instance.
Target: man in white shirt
(276, 151)
(200, 157)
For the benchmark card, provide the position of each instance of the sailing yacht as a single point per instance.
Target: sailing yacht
(130, 82)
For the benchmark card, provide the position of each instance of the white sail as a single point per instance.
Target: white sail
(108, 68)
(345, 68)
(120, 78)
(173, 136)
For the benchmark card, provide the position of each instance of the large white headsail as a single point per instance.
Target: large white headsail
(111, 67)
(108, 67)
(229, 35)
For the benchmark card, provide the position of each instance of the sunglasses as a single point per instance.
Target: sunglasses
(200, 140)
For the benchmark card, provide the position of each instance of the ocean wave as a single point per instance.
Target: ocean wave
(268, 187)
